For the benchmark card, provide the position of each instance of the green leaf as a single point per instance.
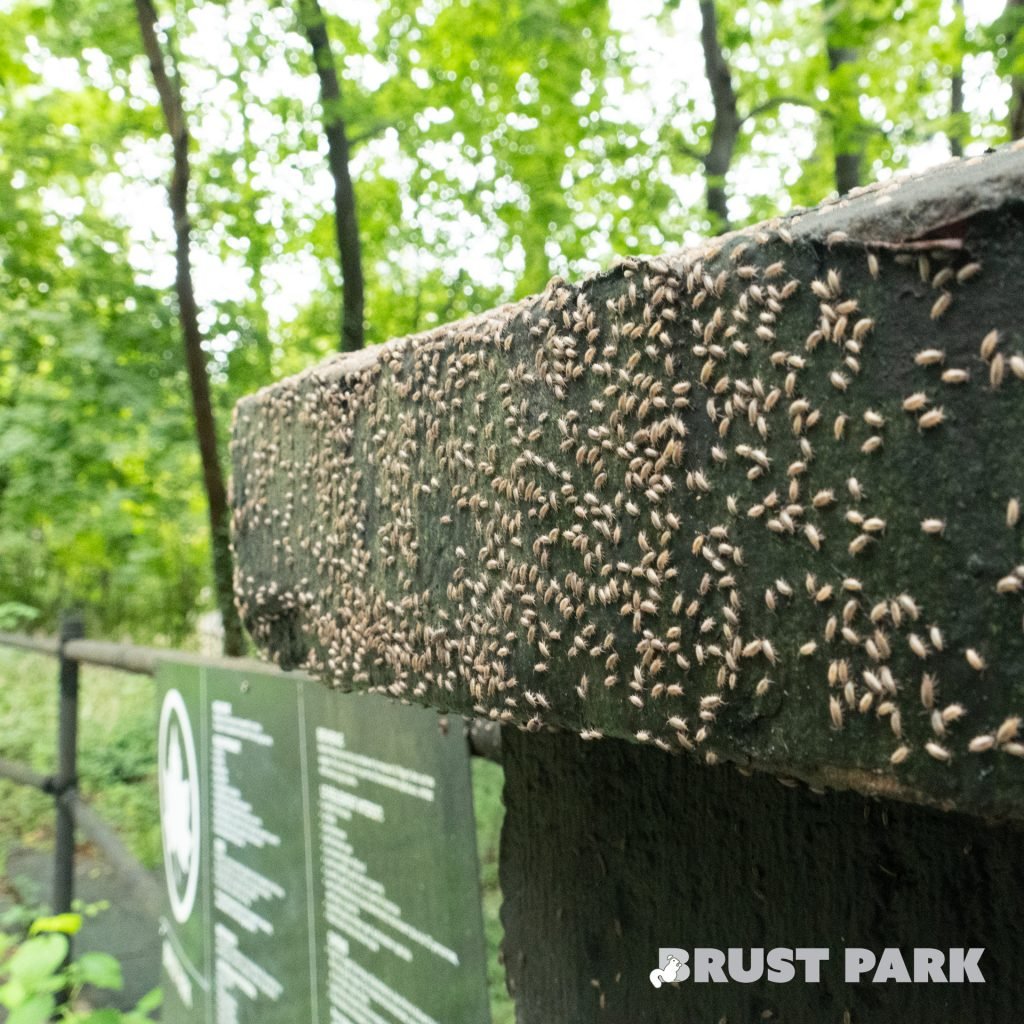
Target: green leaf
(91, 909)
(38, 958)
(105, 1016)
(13, 993)
(99, 969)
(68, 924)
(150, 1001)
(36, 1010)
(14, 614)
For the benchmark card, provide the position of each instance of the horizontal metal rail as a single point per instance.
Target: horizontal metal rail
(132, 658)
(143, 885)
(484, 737)
(39, 644)
(71, 650)
(24, 776)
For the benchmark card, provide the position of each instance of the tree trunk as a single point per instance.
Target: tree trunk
(1017, 81)
(727, 120)
(346, 224)
(956, 144)
(846, 130)
(188, 313)
(956, 94)
(847, 155)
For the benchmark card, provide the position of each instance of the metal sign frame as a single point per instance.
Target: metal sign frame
(320, 856)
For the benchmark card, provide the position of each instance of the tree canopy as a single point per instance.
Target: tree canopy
(490, 145)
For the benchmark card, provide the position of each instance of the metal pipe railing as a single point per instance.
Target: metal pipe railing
(484, 736)
(73, 650)
(38, 644)
(65, 782)
(23, 776)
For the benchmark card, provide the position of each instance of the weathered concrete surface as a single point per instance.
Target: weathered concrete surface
(641, 850)
(755, 501)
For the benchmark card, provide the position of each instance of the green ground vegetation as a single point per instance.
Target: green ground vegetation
(117, 743)
(37, 966)
(117, 767)
(490, 813)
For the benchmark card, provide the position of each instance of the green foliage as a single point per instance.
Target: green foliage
(95, 436)
(38, 983)
(14, 614)
(117, 751)
(126, 756)
(65, 924)
(488, 779)
(494, 143)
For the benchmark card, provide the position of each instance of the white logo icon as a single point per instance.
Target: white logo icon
(179, 805)
(666, 973)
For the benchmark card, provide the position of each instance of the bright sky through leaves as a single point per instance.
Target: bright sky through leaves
(495, 143)
(666, 60)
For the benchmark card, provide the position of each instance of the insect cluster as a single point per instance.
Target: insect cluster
(698, 500)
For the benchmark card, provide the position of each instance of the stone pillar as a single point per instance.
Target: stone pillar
(611, 851)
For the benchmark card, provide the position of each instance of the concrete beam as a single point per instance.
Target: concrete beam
(755, 501)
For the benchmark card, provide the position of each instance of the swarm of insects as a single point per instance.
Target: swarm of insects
(562, 511)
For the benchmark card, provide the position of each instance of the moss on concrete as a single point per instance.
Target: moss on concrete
(681, 503)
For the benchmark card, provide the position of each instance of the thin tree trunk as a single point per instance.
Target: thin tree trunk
(255, 254)
(1017, 84)
(846, 133)
(956, 93)
(956, 109)
(345, 221)
(847, 154)
(188, 313)
(727, 121)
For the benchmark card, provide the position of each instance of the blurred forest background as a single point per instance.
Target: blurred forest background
(342, 173)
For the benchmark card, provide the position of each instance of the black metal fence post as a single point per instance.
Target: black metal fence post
(66, 779)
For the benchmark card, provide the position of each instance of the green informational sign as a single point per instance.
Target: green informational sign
(319, 853)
